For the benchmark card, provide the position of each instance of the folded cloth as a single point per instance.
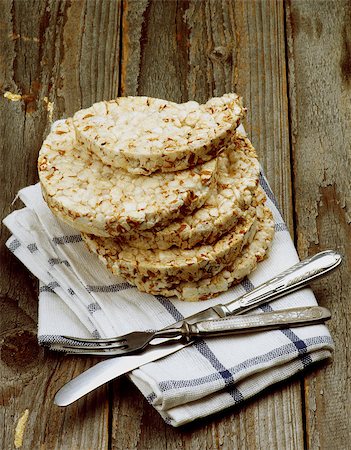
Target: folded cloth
(78, 296)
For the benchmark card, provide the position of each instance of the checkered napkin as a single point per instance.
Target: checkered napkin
(79, 297)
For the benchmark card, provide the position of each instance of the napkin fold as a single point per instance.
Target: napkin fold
(78, 296)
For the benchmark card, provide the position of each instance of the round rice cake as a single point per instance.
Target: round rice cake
(144, 134)
(255, 250)
(236, 190)
(96, 198)
(173, 265)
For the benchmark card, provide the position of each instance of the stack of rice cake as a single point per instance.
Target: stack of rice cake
(167, 195)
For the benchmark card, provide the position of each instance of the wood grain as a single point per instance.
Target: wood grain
(68, 53)
(319, 42)
(193, 50)
(47, 49)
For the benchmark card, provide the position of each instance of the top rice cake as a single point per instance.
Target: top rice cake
(144, 134)
(96, 198)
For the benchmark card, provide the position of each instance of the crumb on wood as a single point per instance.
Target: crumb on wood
(49, 108)
(20, 428)
(12, 97)
(14, 37)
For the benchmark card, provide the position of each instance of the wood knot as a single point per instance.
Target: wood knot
(221, 53)
(20, 350)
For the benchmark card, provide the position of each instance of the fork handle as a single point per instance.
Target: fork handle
(294, 317)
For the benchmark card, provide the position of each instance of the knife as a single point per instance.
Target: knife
(288, 281)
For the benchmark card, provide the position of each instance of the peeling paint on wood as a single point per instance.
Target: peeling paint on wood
(320, 97)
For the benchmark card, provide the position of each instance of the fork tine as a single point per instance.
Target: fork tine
(113, 346)
(120, 345)
(97, 341)
(88, 352)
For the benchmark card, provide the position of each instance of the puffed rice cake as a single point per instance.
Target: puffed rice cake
(144, 134)
(236, 190)
(256, 250)
(172, 266)
(96, 198)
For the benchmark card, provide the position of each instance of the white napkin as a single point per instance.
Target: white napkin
(79, 297)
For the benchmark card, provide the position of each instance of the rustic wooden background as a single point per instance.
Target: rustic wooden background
(292, 63)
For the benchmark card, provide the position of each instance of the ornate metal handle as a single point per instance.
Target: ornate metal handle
(294, 278)
(294, 317)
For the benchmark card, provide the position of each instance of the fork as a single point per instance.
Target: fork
(139, 340)
(293, 278)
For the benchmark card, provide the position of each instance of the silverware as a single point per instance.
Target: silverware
(139, 340)
(294, 278)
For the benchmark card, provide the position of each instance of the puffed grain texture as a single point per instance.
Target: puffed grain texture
(236, 190)
(255, 249)
(167, 267)
(96, 198)
(143, 134)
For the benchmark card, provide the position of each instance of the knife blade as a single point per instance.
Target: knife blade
(109, 369)
(291, 279)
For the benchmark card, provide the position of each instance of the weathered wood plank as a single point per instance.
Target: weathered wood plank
(320, 95)
(49, 52)
(265, 422)
(194, 50)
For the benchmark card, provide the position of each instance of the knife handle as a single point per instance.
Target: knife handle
(288, 281)
(294, 317)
